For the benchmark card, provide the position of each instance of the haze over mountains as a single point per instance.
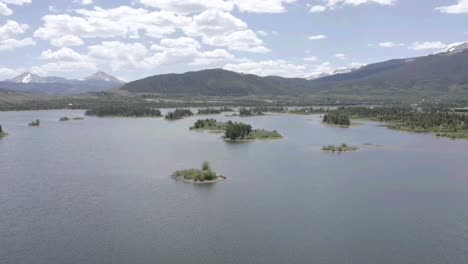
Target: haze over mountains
(32, 83)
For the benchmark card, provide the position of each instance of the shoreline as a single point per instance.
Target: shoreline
(182, 179)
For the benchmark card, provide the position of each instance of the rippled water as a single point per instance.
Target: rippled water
(99, 191)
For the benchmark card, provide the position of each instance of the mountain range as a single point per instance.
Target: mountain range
(32, 83)
(440, 75)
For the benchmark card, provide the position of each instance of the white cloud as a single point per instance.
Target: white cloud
(262, 6)
(11, 44)
(122, 21)
(120, 55)
(221, 29)
(8, 73)
(333, 4)
(84, 2)
(188, 6)
(461, 7)
(61, 67)
(340, 56)
(245, 40)
(64, 54)
(262, 33)
(185, 50)
(427, 45)
(196, 6)
(317, 37)
(270, 67)
(66, 41)
(311, 59)
(12, 28)
(390, 44)
(5, 10)
(317, 9)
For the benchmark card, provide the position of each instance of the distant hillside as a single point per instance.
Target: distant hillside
(217, 82)
(441, 75)
(31, 83)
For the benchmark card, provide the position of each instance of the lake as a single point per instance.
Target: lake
(99, 191)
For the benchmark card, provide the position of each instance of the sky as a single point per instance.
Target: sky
(132, 39)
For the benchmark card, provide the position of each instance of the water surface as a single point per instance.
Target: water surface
(99, 191)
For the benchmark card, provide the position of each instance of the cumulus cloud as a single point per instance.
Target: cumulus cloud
(122, 21)
(66, 41)
(428, 45)
(222, 29)
(8, 73)
(11, 44)
(311, 58)
(262, 6)
(461, 7)
(317, 9)
(5, 10)
(317, 37)
(64, 54)
(195, 6)
(269, 67)
(390, 44)
(333, 4)
(340, 56)
(12, 28)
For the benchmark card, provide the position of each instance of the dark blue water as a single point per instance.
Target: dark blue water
(99, 191)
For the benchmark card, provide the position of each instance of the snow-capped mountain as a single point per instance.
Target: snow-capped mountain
(27, 77)
(333, 72)
(29, 82)
(454, 48)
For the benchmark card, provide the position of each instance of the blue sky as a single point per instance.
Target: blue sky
(132, 39)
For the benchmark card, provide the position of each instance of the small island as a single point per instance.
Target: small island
(2, 133)
(204, 175)
(64, 119)
(78, 118)
(35, 123)
(178, 114)
(336, 118)
(235, 131)
(340, 148)
(246, 112)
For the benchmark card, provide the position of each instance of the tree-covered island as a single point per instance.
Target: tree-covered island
(336, 118)
(64, 119)
(212, 111)
(340, 148)
(203, 175)
(35, 123)
(123, 111)
(2, 132)
(234, 131)
(178, 114)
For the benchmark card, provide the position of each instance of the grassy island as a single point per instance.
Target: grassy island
(337, 118)
(178, 114)
(78, 118)
(35, 123)
(203, 175)
(64, 119)
(340, 148)
(234, 131)
(124, 111)
(210, 125)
